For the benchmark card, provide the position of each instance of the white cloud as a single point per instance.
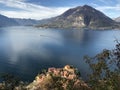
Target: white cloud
(102, 8)
(107, 2)
(29, 10)
(110, 8)
(104, 1)
(111, 11)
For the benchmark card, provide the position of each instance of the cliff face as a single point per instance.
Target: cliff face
(66, 78)
(81, 17)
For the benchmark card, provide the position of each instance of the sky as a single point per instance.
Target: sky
(42, 9)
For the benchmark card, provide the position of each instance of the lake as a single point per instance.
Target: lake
(25, 51)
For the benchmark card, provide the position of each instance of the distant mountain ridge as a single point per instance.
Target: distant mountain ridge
(26, 22)
(81, 17)
(78, 17)
(5, 21)
(117, 19)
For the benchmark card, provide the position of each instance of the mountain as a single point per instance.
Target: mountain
(117, 19)
(26, 22)
(5, 21)
(81, 17)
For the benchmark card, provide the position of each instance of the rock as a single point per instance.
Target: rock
(65, 78)
(59, 79)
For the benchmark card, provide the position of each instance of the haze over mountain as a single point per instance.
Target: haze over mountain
(117, 19)
(78, 17)
(81, 17)
(42, 9)
(26, 22)
(5, 21)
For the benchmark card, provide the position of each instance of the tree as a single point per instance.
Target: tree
(105, 69)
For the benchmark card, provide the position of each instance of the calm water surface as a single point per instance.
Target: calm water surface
(25, 51)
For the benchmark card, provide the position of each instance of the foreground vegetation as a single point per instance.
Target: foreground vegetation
(105, 75)
(67, 78)
(105, 69)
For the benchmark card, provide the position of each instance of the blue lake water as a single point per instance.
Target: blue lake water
(25, 51)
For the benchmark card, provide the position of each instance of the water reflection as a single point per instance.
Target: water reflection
(26, 50)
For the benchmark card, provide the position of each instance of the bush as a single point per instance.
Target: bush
(105, 69)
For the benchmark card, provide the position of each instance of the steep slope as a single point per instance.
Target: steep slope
(81, 17)
(5, 21)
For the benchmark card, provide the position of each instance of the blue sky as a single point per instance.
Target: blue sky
(41, 9)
